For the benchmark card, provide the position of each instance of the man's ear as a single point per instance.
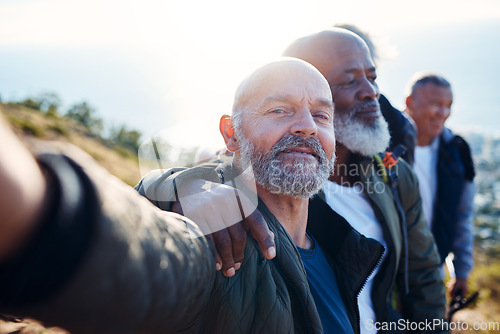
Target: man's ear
(409, 104)
(227, 130)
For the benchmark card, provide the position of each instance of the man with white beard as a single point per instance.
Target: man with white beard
(360, 192)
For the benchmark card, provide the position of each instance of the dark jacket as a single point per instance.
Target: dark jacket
(298, 314)
(411, 251)
(453, 208)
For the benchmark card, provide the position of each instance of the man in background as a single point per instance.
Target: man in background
(445, 171)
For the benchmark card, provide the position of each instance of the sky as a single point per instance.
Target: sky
(172, 66)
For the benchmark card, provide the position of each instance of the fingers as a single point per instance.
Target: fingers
(258, 229)
(459, 287)
(238, 239)
(223, 243)
(218, 260)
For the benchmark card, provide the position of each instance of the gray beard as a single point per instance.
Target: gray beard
(364, 139)
(297, 178)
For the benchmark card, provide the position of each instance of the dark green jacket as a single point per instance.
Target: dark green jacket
(425, 298)
(273, 296)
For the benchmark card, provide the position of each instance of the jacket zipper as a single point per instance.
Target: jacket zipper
(372, 269)
(296, 292)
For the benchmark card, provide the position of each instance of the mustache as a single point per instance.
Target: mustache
(290, 141)
(366, 105)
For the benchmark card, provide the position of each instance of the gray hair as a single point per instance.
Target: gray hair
(421, 79)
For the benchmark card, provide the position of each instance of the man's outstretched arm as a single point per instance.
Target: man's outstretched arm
(22, 192)
(83, 251)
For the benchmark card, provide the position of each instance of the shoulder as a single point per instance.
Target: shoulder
(160, 185)
(458, 143)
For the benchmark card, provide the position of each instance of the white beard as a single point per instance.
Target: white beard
(361, 138)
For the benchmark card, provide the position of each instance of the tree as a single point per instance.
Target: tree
(84, 114)
(126, 138)
(31, 103)
(49, 103)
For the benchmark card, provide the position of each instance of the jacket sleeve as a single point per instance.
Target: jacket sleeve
(426, 296)
(142, 270)
(463, 243)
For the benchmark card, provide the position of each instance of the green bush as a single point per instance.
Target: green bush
(30, 103)
(84, 114)
(125, 138)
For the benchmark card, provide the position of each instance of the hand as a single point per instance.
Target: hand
(225, 214)
(458, 286)
(230, 242)
(21, 192)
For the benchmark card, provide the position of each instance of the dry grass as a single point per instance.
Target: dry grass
(31, 124)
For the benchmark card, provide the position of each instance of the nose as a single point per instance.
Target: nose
(368, 90)
(444, 111)
(304, 125)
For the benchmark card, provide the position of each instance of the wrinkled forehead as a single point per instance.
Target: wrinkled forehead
(294, 79)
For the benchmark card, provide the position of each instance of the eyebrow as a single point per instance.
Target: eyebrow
(288, 97)
(357, 69)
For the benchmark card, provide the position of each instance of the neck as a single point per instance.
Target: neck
(291, 212)
(424, 141)
(346, 172)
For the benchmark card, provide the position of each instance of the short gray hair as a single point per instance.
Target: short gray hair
(422, 79)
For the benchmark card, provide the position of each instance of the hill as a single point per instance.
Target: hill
(32, 125)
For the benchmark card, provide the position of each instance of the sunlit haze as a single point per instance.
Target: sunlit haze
(156, 64)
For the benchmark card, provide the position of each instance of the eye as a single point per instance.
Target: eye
(348, 83)
(322, 116)
(277, 111)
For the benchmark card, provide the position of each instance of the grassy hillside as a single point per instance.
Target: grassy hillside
(32, 125)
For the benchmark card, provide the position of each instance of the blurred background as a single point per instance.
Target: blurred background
(108, 75)
(156, 63)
